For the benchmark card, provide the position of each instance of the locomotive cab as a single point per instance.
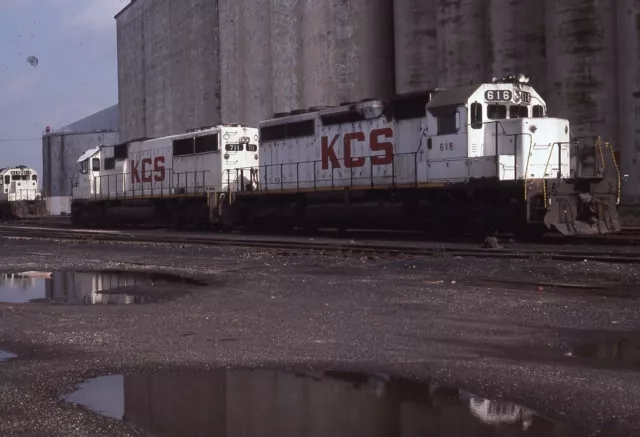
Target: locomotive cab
(500, 131)
(19, 193)
(83, 185)
(503, 131)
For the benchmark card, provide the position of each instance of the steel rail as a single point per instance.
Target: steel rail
(338, 247)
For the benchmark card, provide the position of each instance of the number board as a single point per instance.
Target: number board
(523, 96)
(507, 96)
(20, 172)
(498, 95)
(234, 147)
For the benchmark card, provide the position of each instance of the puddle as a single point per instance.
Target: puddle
(4, 356)
(87, 287)
(265, 402)
(621, 351)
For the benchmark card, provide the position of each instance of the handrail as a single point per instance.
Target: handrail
(615, 165)
(101, 186)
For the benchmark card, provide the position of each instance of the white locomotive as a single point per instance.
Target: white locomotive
(481, 156)
(19, 194)
(484, 155)
(171, 179)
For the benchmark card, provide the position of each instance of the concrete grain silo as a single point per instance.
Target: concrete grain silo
(168, 67)
(347, 50)
(286, 54)
(416, 54)
(517, 35)
(245, 60)
(628, 25)
(582, 66)
(131, 71)
(463, 46)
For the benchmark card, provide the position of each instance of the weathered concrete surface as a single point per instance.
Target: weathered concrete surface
(463, 49)
(168, 67)
(420, 318)
(286, 54)
(518, 40)
(416, 45)
(582, 75)
(628, 25)
(347, 51)
(245, 61)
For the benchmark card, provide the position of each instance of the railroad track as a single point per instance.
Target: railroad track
(342, 247)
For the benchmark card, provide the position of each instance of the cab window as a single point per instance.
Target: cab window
(84, 166)
(34, 178)
(7, 180)
(476, 115)
(538, 111)
(95, 164)
(518, 111)
(496, 112)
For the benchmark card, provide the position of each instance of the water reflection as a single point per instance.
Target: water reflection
(78, 287)
(271, 403)
(4, 356)
(624, 351)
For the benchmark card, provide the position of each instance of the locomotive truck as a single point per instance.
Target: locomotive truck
(484, 156)
(20, 197)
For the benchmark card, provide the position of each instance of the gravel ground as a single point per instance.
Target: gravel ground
(433, 319)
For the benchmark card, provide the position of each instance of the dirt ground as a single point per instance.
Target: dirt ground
(442, 320)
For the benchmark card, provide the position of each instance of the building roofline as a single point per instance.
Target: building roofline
(124, 9)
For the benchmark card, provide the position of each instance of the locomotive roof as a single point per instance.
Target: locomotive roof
(21, 167)
(88, 154)
(453, 96)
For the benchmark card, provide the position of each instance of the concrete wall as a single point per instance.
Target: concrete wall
(168, 67)
(628, 25)
(416, 45)
(178, 68)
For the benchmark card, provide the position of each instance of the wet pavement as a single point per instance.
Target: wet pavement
(249, 403)
(83, 287)
(424, 320)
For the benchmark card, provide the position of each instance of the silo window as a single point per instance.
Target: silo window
(95, 164)
(109, 163)
(476, 115)
(496, 112)
(538, 111)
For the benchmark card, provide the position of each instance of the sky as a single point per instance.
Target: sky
(76, 75)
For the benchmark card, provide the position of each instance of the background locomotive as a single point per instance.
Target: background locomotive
(480, 156)
(19, 194)
(170, 180)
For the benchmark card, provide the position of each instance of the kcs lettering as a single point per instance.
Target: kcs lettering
(376, 144)
(156, 173)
